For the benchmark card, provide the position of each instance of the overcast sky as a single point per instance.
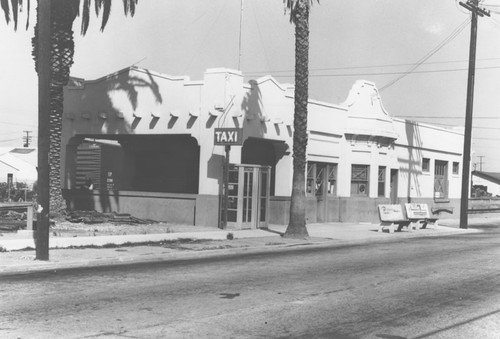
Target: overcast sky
(375, 40)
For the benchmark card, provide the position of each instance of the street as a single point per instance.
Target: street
(437, 287)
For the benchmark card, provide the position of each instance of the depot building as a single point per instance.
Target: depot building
(155, 145)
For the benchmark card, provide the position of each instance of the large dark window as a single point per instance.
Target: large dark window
(381, 181)
(360, 175)
(321, 179)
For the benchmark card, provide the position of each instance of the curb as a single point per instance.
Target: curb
(47, 266)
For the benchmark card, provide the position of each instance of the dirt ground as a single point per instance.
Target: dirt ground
(68, 229)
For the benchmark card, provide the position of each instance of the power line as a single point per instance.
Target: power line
(448, 39)
(380, 73)
(8, 140)
(449, 125)
(443, 117)
(360, 67)
(15, 124)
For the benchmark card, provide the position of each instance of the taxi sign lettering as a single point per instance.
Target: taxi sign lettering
(228, 136)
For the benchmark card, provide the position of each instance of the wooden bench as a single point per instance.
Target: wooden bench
(391, 215)
(437, 210)
(419, 213)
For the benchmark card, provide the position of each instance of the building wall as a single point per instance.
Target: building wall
(135, 103)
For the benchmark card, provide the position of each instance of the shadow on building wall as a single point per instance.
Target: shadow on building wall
(414, 161)
(103, 125)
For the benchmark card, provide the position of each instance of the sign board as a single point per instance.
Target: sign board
(228, 136)
(390, 212)
(417, 211)
(110, 186)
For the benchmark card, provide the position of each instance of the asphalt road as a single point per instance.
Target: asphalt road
(438, 287)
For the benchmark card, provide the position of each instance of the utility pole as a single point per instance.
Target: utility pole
(471, 5)
(481, 162)
(27, 139)
(44, 74)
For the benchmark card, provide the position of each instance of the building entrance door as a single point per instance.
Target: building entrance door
(248, 196)
(394, 186)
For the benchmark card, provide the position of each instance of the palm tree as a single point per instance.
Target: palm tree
(53, 50)
(299, 16)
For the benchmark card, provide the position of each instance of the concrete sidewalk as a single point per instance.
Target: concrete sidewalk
(132, 248)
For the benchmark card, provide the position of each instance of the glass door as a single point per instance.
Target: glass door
(248, 196)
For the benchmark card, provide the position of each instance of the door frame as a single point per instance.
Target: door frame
(259, 195)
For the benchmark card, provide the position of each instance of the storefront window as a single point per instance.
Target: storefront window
(359, 180)
(321, 179)
(381, 181)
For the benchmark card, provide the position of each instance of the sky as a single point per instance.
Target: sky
(415, 51)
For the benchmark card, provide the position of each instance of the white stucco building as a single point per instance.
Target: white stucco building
(146, 140)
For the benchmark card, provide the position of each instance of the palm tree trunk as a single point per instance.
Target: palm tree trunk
(63, 48)
(61, 58)
(297, 223)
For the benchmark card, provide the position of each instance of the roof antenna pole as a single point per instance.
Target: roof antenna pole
(239, 43)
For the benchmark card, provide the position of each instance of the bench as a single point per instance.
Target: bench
(419, 213)
(437, 210)
(391, 215)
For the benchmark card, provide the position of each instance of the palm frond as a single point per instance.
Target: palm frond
(129, 6)
(291, 5)
(15, 11)
(28, 14)
(85, 16)
(16, 7)
(6, 9)
(105, 14)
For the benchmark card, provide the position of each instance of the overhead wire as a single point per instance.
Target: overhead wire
(443, 117)
(447, 40)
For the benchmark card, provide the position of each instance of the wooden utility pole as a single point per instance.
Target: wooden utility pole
(44, 70)
(27, 139)
(481, 162)
(471, 5)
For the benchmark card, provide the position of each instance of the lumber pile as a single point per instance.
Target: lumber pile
(94, 217)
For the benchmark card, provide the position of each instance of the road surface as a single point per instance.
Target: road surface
(438, 287)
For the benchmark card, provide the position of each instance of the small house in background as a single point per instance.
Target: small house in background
(485, 184)
(151, 145)
(20, 163)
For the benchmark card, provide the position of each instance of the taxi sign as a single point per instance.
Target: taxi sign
(228, 136)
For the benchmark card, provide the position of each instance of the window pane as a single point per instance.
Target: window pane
(359, 180)
(332, 179)
(426, 164)
(381, 181)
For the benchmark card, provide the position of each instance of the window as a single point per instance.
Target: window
(440, 179)
(455, 167)
(426, 165)
(332, 179)
(359, 180)
(381, 181)
(321, 179)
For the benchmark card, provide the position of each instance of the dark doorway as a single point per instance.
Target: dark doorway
(394, 186)
(260, 152)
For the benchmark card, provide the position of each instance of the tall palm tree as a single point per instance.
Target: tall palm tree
(53, 50)
(299, 16)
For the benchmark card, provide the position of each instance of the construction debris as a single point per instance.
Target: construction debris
(94, 217)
